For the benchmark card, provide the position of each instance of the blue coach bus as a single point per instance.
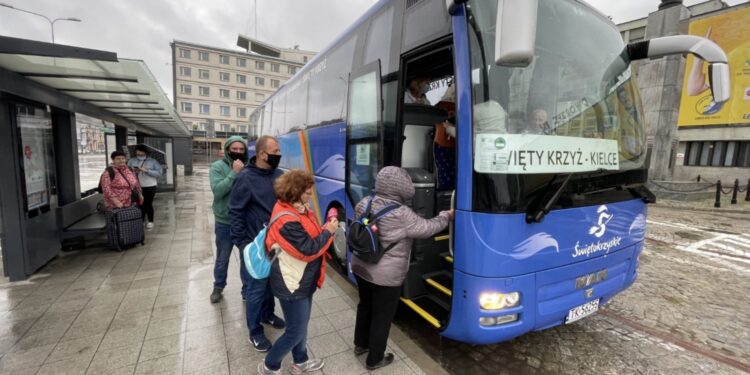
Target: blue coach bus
(546, 170)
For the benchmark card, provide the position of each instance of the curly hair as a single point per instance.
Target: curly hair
(290, 186)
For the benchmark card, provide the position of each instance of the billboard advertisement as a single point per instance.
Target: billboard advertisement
(731, 31)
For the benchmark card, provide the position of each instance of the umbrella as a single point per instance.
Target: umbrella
(153, 153)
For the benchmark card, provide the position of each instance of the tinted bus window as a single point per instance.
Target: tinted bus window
(279, 113)
(378, 44)
(328, 84)
(296, 108)
(266, 124)
(425, 21)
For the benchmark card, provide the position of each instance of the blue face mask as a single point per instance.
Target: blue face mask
(141, 158)
(424, 89)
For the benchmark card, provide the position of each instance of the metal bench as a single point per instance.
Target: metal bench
(81, 218)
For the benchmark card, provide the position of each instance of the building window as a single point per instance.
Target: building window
(205, 108)
(242, 128)
(241, 62)
(224, 110)
(187, 107)
(202, 56)
(241, 79)
(275, 68)
(291, 69)
(304, 59)
(260, 65)
(204, 91)
(241, 95)
(224, 93)
(224, 76)
(224, 127)
(717, 154)
(203, 125)
(184, 53)
(185, 71)
(203, 74)
(186, 89)
(242, 112)
(224, 59)
(259, 97)
(260, 81)
(275, 83)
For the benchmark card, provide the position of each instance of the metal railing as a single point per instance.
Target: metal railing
(735, 189)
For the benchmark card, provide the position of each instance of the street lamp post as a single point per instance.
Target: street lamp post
(51, 22)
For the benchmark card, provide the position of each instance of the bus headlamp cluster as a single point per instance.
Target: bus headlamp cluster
(498, 301)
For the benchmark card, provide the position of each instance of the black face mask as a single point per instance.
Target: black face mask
(273, 160)
(237, 155)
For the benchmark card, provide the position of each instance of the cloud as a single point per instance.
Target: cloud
(142, 29)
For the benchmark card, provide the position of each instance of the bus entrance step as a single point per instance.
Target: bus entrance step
(441, 281)
(429, 308)
(448, 258)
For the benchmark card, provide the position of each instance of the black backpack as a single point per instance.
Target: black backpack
(111, 172)
(363, 235)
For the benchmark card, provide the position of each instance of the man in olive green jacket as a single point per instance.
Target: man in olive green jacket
(222, 176)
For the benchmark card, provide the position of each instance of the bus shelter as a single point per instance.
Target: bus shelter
(63, 109)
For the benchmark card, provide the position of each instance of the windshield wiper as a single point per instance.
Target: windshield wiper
(538, 215)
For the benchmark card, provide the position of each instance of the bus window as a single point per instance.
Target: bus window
(278, 124)
(378, 43)
(266, 123)
(425, 21)
(296, 107)
(328, 85)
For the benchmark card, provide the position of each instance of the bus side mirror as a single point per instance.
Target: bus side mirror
(515, 32)
(718, 66)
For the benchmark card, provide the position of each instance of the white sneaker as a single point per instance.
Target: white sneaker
(150, 225)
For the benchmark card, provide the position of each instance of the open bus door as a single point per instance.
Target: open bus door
(364, 132)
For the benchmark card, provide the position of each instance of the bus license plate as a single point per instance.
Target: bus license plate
(582, 311)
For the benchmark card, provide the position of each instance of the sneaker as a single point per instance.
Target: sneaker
(275, 322)
(387, 360)
(358, 350)
(150, 225)
(216, 295)
(261, 344)
(313, 364)
(263, 370)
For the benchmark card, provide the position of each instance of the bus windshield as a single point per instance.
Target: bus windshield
(573, 110)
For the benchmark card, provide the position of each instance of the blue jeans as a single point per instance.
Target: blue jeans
(294, 339)
(224, 248)
(259, 305)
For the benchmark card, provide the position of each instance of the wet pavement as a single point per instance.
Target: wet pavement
(146, 310)
(688, 312)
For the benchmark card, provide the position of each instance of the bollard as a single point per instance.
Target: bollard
(717, 203)
(735, 189)
(747, 191)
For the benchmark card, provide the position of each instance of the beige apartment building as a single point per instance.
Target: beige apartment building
(216, 89)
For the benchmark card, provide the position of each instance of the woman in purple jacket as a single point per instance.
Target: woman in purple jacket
(380, 284)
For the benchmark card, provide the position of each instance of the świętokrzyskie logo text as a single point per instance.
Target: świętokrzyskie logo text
(598, 231)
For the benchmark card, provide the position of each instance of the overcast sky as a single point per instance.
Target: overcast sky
(142, 29)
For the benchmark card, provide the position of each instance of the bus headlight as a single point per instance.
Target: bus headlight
(498, 301)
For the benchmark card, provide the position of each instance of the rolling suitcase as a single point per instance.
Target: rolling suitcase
(125, 228)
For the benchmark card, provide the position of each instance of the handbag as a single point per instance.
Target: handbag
(135, 195)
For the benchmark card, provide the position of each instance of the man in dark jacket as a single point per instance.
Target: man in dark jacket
(250, 205)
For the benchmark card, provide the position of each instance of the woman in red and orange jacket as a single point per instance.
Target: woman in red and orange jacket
(301, 245)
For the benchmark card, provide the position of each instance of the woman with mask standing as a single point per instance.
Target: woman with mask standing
(148, 170)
